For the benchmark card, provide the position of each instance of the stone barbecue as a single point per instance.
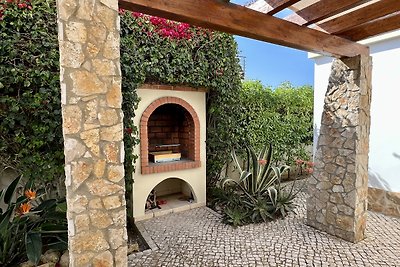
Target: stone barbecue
(170, 171)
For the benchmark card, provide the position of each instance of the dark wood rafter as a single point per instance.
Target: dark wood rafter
(321, 10)
(235, 19)
(275, 6)
(361, 16)
(373, 28)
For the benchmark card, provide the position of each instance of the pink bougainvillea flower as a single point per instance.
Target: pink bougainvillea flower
(137, 14)
(128, 130)
(310, 164)
(219, 72)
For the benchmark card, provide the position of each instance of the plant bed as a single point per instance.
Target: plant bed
(136, 242)
(259, 195)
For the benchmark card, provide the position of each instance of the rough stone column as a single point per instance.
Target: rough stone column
(339, 186)
(92, 126)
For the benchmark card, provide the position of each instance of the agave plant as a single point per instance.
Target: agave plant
(283, 196)
(258, 195)
(259, 174)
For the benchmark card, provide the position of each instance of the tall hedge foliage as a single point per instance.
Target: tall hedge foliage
(281, 116)
(30, 117)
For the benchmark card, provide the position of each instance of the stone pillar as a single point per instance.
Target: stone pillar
(90, 77)
(338, 189)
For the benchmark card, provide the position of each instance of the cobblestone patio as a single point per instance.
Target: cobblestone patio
(198, 238)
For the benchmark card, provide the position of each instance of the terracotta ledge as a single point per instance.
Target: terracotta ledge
(172, 87)
(167, 167)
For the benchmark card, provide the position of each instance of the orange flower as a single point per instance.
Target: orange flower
(24, 208)
(30, 194)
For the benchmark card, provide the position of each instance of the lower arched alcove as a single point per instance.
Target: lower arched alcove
(171, 195)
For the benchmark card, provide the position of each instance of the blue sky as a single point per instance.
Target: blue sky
(274, 64)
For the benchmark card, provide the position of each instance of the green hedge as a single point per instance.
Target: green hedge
(30, 118)
(281, 116)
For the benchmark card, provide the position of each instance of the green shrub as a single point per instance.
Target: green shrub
(282, 116)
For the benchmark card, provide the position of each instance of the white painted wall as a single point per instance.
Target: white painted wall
(384, 155)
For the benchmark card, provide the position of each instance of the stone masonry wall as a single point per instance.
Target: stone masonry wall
(384, 202)
(339, 186)
(93, 131)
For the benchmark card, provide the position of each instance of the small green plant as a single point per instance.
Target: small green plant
(30, 223)
(235, 216)
(258, 195)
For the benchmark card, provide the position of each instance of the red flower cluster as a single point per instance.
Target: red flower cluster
(170, 29)
(137, 14)
(307, 164)
(21, 4)
(163, 27)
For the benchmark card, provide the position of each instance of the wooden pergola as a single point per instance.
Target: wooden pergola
(91, 100)
(330, 27)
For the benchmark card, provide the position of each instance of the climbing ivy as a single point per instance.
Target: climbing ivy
(30, 117)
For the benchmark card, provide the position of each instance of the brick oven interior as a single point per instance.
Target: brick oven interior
(171, 133)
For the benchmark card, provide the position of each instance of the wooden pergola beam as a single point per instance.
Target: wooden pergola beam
(373, 28)
(275, 6)
(361, 16)
(321, 10)
(235, 19)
